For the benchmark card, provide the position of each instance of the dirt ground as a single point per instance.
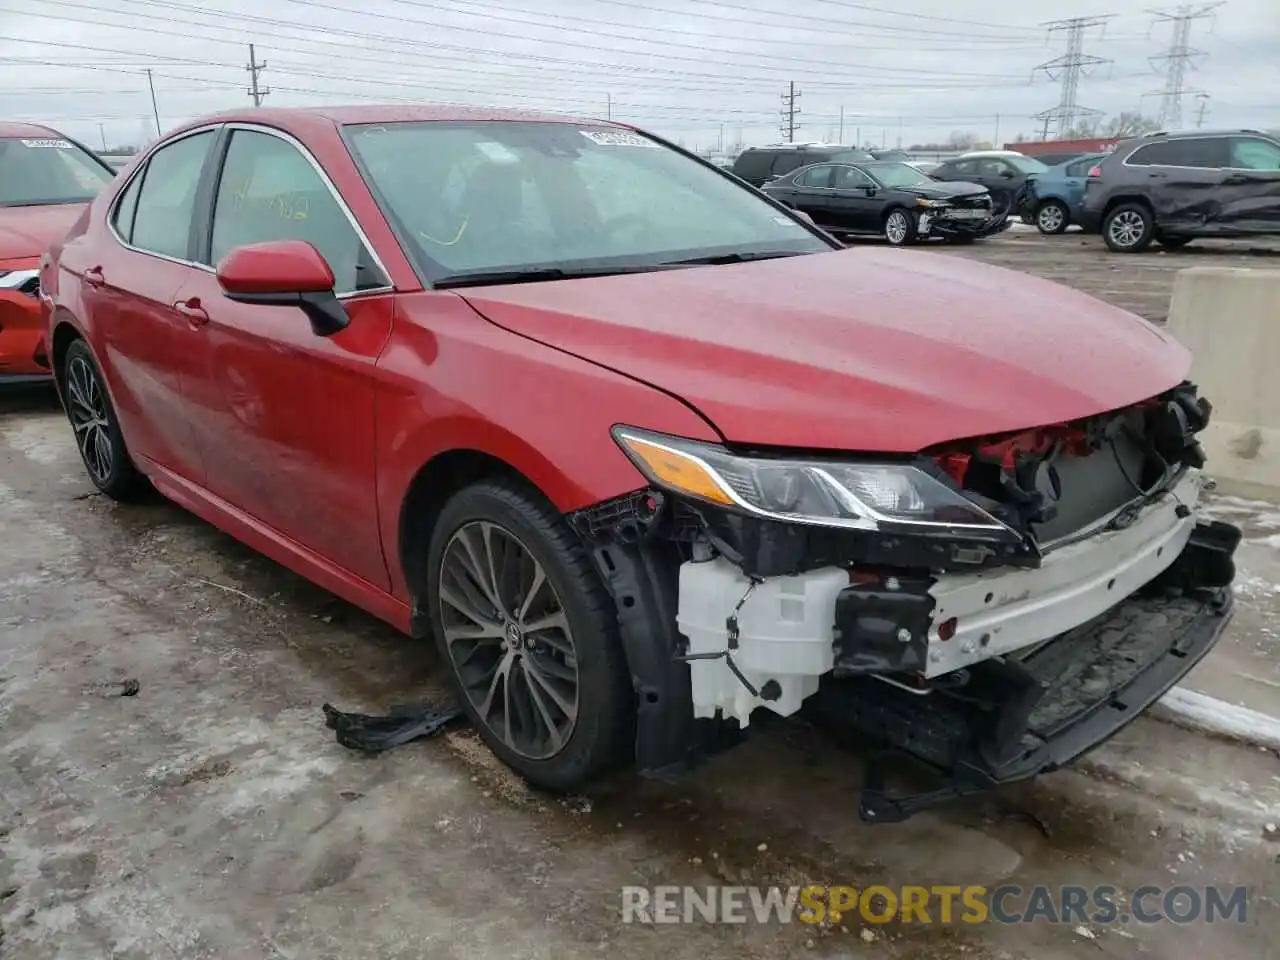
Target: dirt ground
(211, 815)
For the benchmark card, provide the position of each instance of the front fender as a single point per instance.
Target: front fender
(451, 380)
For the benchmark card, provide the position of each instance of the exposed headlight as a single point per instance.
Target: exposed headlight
(851, 495)
(930, 204)
(17, 279)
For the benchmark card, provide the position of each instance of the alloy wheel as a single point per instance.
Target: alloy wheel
(1050, 218)
(509, 640)
(896, 227)
(1126, 228)
(87, 409)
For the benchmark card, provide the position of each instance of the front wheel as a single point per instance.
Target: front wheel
(1052, 217)
(96, 427)
(900, 228)
(1129, 228)
(530, 635)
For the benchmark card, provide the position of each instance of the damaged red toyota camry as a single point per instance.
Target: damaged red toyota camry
(645, 453)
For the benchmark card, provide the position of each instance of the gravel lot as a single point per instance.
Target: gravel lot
(211, 815)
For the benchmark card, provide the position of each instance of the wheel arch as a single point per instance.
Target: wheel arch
(66, 330)
(1121, 199)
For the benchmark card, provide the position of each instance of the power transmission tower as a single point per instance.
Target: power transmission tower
(790, 110)
(255, 68)
(1204, 102)
(1179, 56)
(1068, 68)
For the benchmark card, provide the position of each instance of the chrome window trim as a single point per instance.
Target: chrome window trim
(1170, 166)
(389, 287)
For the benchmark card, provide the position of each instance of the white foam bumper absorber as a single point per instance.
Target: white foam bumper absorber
(784, 641)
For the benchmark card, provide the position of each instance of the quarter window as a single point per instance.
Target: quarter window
(270, 191)
(125, 207)
(162, 219)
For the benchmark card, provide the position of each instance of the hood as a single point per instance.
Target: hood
(862, 350)
(943, 190)
(29, 231)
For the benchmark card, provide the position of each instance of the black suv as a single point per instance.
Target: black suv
(1173, 187)
(759, 165)
(1004, 173)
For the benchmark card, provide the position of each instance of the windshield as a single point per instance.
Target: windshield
(511, 196)
(897, 174)
(34, 172)
(1027, 164)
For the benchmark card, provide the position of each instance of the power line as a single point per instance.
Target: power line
(790, 110)
(255, 68)
(1179, 57)
(1068, 69)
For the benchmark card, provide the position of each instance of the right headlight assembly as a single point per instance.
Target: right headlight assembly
(830, 493)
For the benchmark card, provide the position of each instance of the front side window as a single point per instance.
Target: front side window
(47, 170)
(1251, 153)
(899, 175)
(270, 191)
(497, 196)
(162, 220)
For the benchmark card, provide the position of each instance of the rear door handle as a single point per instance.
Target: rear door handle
(94, 277)
(191, 309)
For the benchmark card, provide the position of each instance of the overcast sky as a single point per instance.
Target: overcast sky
(695, 70)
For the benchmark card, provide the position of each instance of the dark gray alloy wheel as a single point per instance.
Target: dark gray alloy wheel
(97, 431)
(509, 639)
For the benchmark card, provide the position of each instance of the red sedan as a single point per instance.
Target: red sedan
(46, 181)
(643, 451)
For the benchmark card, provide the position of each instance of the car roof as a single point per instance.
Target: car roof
(10, 130)
(804, 146)
(299, 120)
(989, 153)
(1197, 133)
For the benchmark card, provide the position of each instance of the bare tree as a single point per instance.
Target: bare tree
(1129, 123)
(959, 140)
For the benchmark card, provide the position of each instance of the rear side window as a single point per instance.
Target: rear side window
(1251, 153)
(162, 219)
(1197, 152)
(1081, 168)
(122, 219)
(270, 191)
(752, 165)
(786, 162)
(815, 177)
(961, 168)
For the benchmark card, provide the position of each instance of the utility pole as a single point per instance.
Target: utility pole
(840, 137)
(1204, 102)
(1178, 57)
(1068, 68)
(608, 106)
(996, 140)
(790, 110)
(255, 68)
(102, 132)
(155, 110)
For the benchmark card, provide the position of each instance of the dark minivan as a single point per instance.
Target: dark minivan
(759, 165)
(1171, 188)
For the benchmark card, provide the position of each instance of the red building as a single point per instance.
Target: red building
(1062, 147)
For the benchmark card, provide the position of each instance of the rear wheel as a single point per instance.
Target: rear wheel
(900, 228)
(530, 636)
(97, 430)
(1129, 228)
(1052, 217)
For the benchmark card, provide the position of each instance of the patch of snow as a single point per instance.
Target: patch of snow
(1197, 711)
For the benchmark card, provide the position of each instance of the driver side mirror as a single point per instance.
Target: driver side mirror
(869, 190)
(1006, 174)
(284, 273)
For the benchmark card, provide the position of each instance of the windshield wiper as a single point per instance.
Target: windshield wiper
(482, 278)
(734, 258)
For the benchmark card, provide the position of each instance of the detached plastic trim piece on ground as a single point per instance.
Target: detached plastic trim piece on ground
(1206, 714)
(373, 734)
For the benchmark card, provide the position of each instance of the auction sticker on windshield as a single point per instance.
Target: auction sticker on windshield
(617, 138)
(51, 144)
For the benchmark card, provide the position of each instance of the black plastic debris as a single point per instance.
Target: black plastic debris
(372, 734)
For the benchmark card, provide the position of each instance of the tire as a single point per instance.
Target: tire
(899, 227)
(520, 533)
(1052, 218)
(1129, 228)
(1173, 243)
(96, 427)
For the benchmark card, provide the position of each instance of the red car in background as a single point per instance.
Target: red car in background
(643, 451)
(46, 181)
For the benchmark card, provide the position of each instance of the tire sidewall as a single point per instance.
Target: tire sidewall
(593, 627)
(123, 475)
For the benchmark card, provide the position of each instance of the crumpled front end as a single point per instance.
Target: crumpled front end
(994, 607)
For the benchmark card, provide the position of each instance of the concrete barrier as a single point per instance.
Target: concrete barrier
(1229, 318)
